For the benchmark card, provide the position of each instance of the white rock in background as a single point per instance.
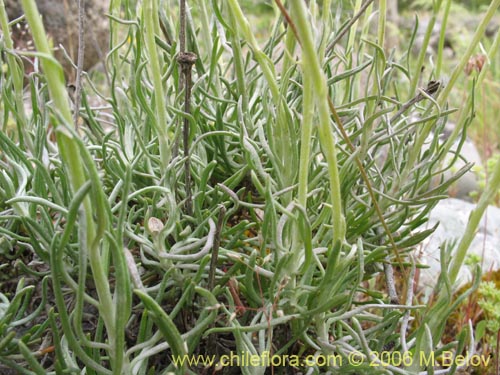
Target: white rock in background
(468, 183)
(452, 215)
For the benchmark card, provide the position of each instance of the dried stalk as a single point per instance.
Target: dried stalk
(81, 55)
(186, 61)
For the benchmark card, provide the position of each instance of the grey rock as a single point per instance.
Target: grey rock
(60, 18)
(452, 216)
(468, 183)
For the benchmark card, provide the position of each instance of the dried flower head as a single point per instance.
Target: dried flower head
(475, 63)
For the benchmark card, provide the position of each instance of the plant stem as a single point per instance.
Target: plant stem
(182, 26)
(324, 24)
(74, 164)
(423, 51)
(239, 65)
(282, 140)
(480, 31)
(474, 218)
(305, 139)
(442, 36)
(382, 19)
(152, 24)
(16, 71)
(468, 107)
(443, 96)
(186, 61)
(312, 68)
(264, 62)
(352, 25)
(81, 55)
